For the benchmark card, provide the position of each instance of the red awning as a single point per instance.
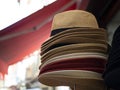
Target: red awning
(27, 35)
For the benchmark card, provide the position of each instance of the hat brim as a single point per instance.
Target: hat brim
(77, 56)
(74, 48)
(66, 40)
(72, 36)
(71, 77)
(90, 63)
(76, 31)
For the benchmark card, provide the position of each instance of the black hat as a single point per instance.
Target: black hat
(112, 72)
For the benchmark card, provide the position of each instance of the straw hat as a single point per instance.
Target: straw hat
(72, 36)
(95, 64)
(70, 56)
(75, 37)
(75, 31)
(74, 18)
(90, 80)
(74, 48)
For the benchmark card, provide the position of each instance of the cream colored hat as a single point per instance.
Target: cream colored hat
(81, 55)
(76, 35)
(74, 18)
(74, 48)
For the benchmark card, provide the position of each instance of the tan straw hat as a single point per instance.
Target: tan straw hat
(90, 80)
(70, 55)
(75, 55)
(75, 31)
(76, 35)
(74, 48)
(74, 18)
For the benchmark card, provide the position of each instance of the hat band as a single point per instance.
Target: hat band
(56, 31)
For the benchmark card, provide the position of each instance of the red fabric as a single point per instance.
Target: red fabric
(3, 67)
(83, 4)
(22, 38)
(91, 64)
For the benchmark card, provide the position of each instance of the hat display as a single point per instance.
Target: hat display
(75, 55)
(76, 52)
(88, 63)
(73, 36)
(74, 48)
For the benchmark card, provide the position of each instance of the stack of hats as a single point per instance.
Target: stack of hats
(112, 71)
(76, 52)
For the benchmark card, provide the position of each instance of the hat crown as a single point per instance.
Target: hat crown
(74, 18)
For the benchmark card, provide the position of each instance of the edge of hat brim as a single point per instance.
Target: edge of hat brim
(69, 77)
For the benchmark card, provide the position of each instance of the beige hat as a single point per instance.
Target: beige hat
(74, 31)
(75, 55)
(76, 35)
(69, 40)
(74, 48)
(90, 80)
(68, 27)
(74, 18)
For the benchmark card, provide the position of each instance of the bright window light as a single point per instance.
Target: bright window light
(62, 88)
(12, 11)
